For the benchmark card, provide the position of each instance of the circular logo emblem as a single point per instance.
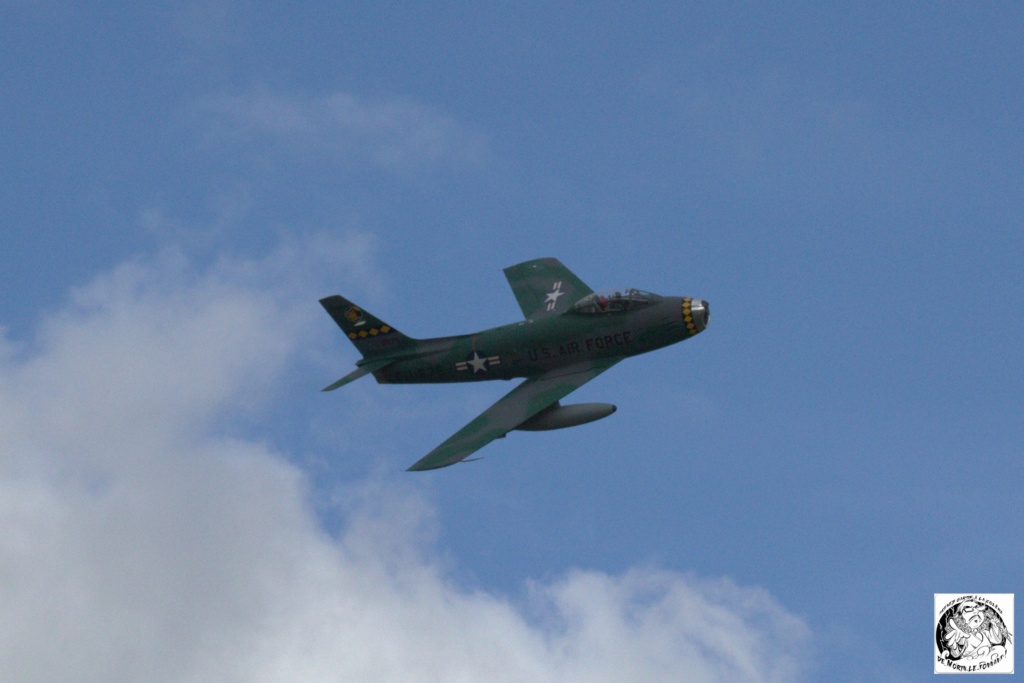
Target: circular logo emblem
(971, 634)
(354, 313)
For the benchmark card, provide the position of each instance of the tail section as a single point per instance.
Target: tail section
(371, 336)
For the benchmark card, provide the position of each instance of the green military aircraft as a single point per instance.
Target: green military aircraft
(571, 335)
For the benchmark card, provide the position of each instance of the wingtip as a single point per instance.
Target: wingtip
(421, 466)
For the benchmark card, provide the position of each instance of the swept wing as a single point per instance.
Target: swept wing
(519, 405)
(545, 287)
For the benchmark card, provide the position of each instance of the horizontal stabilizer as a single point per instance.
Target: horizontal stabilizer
(357, 373)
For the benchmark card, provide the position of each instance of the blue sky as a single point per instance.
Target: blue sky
(181, 184)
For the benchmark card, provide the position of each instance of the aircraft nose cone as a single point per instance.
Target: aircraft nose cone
(696, 315)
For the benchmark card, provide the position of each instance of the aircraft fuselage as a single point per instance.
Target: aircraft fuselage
(531, 347)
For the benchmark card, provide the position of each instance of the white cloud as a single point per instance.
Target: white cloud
(143, 544)
(396, 133)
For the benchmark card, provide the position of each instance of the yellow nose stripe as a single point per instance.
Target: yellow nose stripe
(688, 316)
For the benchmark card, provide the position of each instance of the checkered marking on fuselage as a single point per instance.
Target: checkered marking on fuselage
(691, 327)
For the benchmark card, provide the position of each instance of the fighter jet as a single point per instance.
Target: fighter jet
(570, 335)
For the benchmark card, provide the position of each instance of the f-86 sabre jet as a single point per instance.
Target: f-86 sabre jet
(571, 335)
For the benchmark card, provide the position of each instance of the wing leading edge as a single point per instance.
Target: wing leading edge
(517, 406)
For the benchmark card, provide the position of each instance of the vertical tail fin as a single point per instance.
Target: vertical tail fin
(371, 335)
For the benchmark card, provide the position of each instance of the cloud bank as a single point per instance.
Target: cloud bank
(142, 542)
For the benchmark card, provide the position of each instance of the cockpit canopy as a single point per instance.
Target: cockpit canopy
(614, 300)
